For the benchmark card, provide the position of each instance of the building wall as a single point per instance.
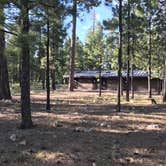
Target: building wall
(86, 83)
(112, 83)
(156, 85)
(140, 84)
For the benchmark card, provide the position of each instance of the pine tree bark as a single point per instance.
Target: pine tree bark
(158, 86)
(100, 78)
(54, 53)
(132, 82)
(149, 56)
(25, 68)
(72, 56)
(164, 82)
(42, 73)
(48, 108)
(4, 79)
(132, 68)
(149, 68)
(128, 54)
(120, 57)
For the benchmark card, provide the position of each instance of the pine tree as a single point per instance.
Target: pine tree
(82, 5)
(4, 79)
(120, 57)
(25, 68)
(73, 41)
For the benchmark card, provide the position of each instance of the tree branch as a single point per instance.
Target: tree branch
(12, 33)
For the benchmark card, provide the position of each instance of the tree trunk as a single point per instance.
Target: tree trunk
(72, 56)
(54, 54)
(48, 67)
(100, 79)
(25, 68)
(132, 82)
(149, 60)
(164, 82)
(158, 84)
(132, 68)
(20, 65)
(149, 77)
(120, 57)
(4, 80)
(42, 72)
(128, 54)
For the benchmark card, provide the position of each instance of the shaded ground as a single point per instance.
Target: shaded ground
(84, 130)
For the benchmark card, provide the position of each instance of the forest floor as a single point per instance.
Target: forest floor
(84, 130)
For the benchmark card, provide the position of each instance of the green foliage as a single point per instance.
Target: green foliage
(141, 11)
(94, 46)
(96, 43)
(80, 56)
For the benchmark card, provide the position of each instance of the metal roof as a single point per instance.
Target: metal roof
(136, 73)
(106, 74)
(88, 73)
(109, 73)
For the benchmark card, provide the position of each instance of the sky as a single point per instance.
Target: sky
(85, 21)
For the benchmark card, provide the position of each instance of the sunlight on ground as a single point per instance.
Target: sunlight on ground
(84, 129)
(54, 157)
(82, 97)
(104, 123)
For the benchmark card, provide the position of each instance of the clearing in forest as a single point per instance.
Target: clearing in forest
(84, 130)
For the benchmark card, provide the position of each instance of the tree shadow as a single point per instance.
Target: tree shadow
(80, 139)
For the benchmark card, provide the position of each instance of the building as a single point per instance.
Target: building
(89, 80)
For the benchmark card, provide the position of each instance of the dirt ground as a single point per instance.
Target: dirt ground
(84, 130)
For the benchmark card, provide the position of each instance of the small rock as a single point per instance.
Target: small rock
(84, 121)
(13, 137)
(88, 130)
(75, 113)
(104, 124)
(109, 126)
(83, 129)
(78, 129)
(23, 142)
(58, 124)
(152, 126)
(94, 164)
